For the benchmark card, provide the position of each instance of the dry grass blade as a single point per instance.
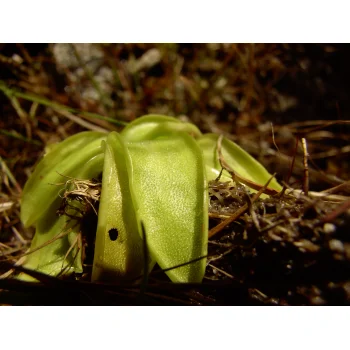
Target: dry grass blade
(8, 175)
(81, 122)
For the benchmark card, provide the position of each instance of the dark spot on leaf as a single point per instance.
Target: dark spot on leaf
(113, 234)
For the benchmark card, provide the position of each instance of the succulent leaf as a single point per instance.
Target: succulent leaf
(169, 180)
(118, 246)
(67, 159)
(49, 254)
(151, 126)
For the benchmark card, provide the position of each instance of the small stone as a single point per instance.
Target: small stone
(336, 245)
(149, 59)
(318, 301)
(329, 228)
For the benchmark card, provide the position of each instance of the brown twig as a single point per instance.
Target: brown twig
(306, 167)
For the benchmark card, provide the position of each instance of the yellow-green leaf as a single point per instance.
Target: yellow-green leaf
(152, 126)
(118, 246)
(169, 180)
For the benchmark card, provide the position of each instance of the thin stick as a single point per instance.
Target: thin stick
(180, 265)
(342, 208)
(221, 271)
(8, 173)
(342, 187)
(8, 273)
(293, 161)
(22, 115)
(145, 262)
(18, 136)
(59, 236)
(335, 198)
(15, 231)
(331, 153)
(80, 121)
(306, 167)
(273, 139)
(74, 243)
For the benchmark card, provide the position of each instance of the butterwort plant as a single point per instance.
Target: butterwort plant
(152, 203)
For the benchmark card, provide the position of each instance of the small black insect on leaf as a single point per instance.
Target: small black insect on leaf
(113, 234)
